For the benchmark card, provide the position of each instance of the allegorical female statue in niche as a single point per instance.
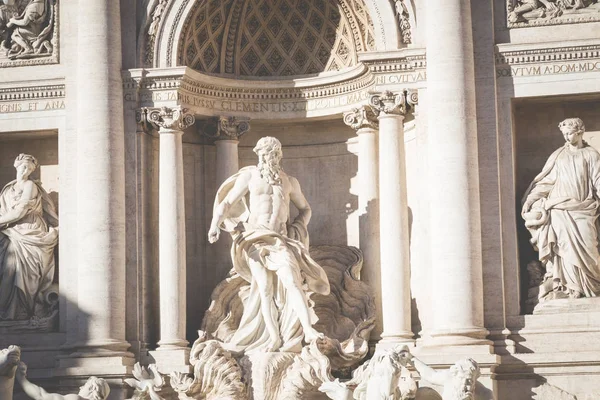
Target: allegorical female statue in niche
(27, 241)
(561, 213)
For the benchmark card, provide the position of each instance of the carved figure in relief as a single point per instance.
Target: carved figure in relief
(32, 30)
(8, 10)
(270, 254)
(27, 241)
(560, 210)
(9, 360)
(525, 10)
(93, 389)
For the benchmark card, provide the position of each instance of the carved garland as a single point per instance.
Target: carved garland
(157, 15)
(232, 35)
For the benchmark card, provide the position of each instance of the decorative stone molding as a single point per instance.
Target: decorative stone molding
(332, 94)
(529, 56)
(394, 103)
(16, 49)
(529, 13)
(175, 118)
(519, 60)
(361, 117)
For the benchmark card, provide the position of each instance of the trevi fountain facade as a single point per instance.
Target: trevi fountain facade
(300, 199)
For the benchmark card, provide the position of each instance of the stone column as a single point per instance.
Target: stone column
(229, 130)
(172, 353)
(100, 252)
(364, 121)
(457, 288)
(393, 225)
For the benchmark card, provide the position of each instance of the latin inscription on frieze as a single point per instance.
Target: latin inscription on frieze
(552, 69)
(20, 107)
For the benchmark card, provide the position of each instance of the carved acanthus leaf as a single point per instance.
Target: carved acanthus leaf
(175, 118)
(361, 117)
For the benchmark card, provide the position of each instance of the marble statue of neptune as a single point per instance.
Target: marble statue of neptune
(27, 242)
(272, 255)
(561, 211)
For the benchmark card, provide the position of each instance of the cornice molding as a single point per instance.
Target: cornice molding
(40, 92)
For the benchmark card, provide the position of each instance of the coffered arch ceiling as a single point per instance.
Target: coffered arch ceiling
(275, 38)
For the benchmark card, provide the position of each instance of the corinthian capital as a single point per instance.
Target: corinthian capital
(232, 127)
(394, 103)
(361, 117)
(175, 118)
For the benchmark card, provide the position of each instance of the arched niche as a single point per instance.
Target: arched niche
(165, 21)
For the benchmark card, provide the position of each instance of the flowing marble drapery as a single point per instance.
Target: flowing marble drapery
(564, 197)
(26, 252)
(271, 250)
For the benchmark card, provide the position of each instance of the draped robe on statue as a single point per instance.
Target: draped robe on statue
(271, 249)
(566, 194)
(26, 252)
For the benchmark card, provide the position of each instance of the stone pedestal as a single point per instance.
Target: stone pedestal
(457, 286)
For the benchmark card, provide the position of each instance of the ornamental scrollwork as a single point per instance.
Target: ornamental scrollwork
(361, 117)
(175, 118)
(394, 103)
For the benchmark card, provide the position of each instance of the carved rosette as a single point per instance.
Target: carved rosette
(361, 117)
(166, 118)
(389, 102)
(232, 128)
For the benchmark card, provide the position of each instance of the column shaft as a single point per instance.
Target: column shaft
(457, 288)
(171, 221)
(100, 180)
(368, 204)
(227, 159)
(394, 237)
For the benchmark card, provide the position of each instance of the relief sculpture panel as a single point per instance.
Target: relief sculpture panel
(28, 32)
(522, 13)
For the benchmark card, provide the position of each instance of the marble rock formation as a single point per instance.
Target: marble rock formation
(383, 377)
(386, 377)
(284, 317)
(28, 235)
(146, 382)
(93, 389)
(9, 360)
(560, 210)
(458, 383)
